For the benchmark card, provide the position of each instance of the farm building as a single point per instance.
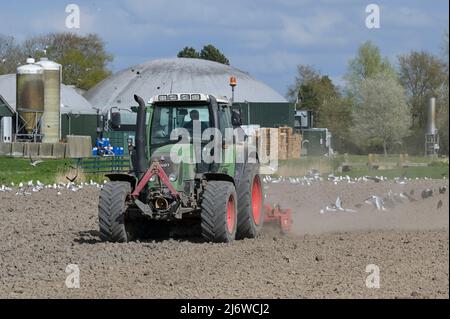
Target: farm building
(259, 104)
(77, 115)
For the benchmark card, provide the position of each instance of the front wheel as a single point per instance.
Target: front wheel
(111, 211)
(219, 212)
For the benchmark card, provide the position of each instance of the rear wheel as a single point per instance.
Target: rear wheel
(111, 211)
(250, 203)
(219, 212)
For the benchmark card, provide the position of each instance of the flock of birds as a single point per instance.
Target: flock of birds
(27, 189)
(391, 200)
(315, 176)
(380, 203)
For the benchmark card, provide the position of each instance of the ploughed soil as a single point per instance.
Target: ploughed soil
(325, 256)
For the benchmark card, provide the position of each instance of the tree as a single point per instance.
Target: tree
(367, 64)
(422, 75)
(317, 93)
(211, 53)
(84, 58)
(11, 55)
(380, 114)
(443, 101)
(188, 52)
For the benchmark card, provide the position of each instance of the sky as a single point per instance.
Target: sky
(266, 38)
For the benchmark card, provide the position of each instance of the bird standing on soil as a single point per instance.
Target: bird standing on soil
(427, 193)
(439, 204)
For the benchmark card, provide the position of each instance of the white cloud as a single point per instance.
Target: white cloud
(320, 28)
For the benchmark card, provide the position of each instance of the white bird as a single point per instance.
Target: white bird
(377, 202)
(338, 204)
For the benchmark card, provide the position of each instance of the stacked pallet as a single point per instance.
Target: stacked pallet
(284, 138)
(289, 144)
(263, 140)
(295, 146)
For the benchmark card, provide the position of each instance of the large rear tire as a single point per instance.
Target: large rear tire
(250, 203)
(219, 212)
(111, 211)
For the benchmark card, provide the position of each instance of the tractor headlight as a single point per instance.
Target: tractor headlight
(153, 179)
(172, 178)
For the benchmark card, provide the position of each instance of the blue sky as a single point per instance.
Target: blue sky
(266, 38)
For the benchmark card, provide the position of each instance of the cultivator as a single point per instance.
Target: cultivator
(280, 217)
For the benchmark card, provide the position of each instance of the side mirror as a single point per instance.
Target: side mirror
(236, 119)
(116, 120)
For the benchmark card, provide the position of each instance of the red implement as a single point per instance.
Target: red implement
(155, 169)
(283, 217)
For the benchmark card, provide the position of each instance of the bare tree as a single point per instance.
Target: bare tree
(10, 55)
(380, 114)
(422, 75)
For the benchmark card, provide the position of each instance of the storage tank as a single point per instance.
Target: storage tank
(431, 121)
(50, 126)
(6, 130)
(30, 94)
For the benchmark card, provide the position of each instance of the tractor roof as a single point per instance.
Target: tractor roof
(184, 97)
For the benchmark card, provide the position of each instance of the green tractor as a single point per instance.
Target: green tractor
(221, 200)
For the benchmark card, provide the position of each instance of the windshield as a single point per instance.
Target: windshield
(168, 118)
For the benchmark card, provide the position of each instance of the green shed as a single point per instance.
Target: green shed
(267, 114)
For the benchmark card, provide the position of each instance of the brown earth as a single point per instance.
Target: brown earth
(325, 257)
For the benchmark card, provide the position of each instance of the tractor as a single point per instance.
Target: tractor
(221, 200)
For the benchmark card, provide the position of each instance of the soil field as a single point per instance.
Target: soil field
(325, 256)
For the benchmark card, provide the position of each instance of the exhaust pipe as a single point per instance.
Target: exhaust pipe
(161, 203)
(141, 162)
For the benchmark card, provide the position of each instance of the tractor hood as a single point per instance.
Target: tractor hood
(181, 167)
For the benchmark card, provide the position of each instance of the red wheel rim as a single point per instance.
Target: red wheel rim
(256, 200)
(231, 214)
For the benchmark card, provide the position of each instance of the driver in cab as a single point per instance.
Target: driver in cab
(195, 117)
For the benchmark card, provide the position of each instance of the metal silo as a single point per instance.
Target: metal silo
(50, 127)
(30, 96)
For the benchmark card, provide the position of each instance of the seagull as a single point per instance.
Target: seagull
(427, 193)
(338, 204)
(376, 201)
(73, 179)
(442, 190)
(35, 163)
(439, 204)
(406, 196)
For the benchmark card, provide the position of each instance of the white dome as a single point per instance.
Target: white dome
(178, 75)
(71, 101)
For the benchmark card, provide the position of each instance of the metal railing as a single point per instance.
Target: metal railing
(104, 165)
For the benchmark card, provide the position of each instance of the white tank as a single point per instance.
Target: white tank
(431, 121)
(50, 127)
(6, 130)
